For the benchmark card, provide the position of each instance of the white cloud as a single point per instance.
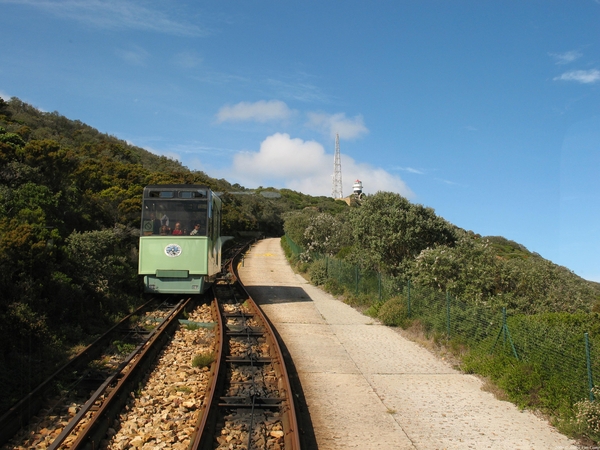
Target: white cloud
(300, 90)
(261, 111)
(330, 124)
(282, 157)
(304, 166)
(187, 60)
(451, 183)
(411, 170)
(135, 55)
(581, 76)
(114, 14)
(566, 57)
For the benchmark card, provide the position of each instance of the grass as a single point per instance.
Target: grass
(203, 359)
(184, 389)
(123, 348)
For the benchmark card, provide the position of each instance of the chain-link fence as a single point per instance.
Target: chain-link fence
(546, 360)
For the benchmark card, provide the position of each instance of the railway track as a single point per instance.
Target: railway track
(165, 409)
(83, 371)
(65, 410)
(253, 408)
(208, 376)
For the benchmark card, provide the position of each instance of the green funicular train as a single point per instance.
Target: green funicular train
(180, 241)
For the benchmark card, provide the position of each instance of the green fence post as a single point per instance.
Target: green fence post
(408, 297)
(512, 345)
(505, 333)
(589, 366)
(504, 327)
(448, 314)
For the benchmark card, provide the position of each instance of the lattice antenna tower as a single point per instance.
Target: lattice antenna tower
(336, 191)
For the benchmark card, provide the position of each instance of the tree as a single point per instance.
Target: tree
(296, 223)
(326, 234)
(388, 229)
(537, 285)
(5, 111)
(469, 269)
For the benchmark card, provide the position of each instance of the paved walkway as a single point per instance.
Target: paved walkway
(368, 387)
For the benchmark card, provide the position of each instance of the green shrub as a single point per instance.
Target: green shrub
(302, 266)
(318, 272)
(522, 382)
(203, 359)
(333, 286)
(587, 417)
(123, 348)
(360, 300)
(373, 310)
(394, 312)
(287, 250)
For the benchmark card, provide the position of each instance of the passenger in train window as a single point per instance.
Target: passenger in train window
(155, 224)
(178, 231)
(196, 230)
(165, 230)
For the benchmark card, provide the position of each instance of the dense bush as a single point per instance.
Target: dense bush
(460, 285)
(401, 240)
(394, 312)
(318, 272)
(587, 416)
(387, 230)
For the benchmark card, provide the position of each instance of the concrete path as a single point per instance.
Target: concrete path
(367, 387)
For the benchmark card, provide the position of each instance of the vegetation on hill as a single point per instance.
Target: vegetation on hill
(69, 225)
(408, 267)
(70, 200)
(391, 235)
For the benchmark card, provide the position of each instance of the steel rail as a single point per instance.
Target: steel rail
(95, 430)
(18, 415)
(290, 422)
(285, 402)
(215, 369)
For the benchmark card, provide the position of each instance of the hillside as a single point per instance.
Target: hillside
(69, 225)
(70, 199)
(529, 326)
(390, 235)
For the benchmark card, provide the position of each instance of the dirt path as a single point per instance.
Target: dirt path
(368, 387)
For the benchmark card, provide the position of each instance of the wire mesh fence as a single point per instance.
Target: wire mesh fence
(549, 359)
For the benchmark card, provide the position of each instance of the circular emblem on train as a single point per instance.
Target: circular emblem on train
(173, 250)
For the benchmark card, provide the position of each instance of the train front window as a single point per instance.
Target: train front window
(174, 216)
(199, 193)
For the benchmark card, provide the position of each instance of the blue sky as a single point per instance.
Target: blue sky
(486, 111)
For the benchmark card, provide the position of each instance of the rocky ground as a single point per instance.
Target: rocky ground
(164, 411)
